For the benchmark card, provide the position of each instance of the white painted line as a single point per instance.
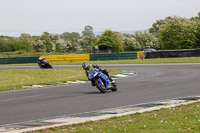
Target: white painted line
(79, 81)
(71, 82)
(64, 83)
(2, 129)
(128, 73)
(26, 86)
(58, 120)
(172, 101)
(121, 75)
(37, 86)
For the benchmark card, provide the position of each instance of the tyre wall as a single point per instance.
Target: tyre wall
(173, 53)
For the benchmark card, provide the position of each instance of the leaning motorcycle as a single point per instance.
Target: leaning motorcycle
(101, 81)
(45, 64)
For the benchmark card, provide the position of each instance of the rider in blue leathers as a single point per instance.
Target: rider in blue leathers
(86, 66)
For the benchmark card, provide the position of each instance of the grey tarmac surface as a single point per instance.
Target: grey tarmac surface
(153, 82)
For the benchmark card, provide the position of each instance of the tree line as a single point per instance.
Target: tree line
(173, 32)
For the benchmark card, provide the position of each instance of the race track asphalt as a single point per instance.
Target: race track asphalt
(151, 83)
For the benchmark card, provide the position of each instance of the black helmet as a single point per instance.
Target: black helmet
(85, 65)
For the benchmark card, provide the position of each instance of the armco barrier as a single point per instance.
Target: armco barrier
(70, 58)
(140, 55)
(113, 56)
(19, 60)
(174, 53)
(67, 58)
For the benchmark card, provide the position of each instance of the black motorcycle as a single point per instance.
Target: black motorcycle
(44, 64)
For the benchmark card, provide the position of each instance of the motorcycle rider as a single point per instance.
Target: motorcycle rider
(86, 66)
(42, 61)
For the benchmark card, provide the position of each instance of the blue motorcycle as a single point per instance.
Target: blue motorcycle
(101, 81)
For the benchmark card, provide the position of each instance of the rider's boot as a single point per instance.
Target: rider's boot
(111, 80)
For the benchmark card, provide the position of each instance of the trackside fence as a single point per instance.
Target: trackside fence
(68, 58)
(113, 56)
(173, 53)
(19, 60)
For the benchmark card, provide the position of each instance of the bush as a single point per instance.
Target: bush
(178, 34)
(12, 44)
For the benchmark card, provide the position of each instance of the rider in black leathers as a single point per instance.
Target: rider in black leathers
(43, 63)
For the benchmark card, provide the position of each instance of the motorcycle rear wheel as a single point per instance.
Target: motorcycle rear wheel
(114, 87)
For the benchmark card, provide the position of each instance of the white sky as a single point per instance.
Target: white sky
(58, 16)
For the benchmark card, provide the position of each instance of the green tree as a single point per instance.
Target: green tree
(47, 42)
(197, 18)
(38, 45)
(71, 41)
(198, 35)
(87, 43)
(22, 45)
(129, 42)
(50, 41)
(157, 25)
(179, 33)
(151, 41)
(5, 46)
(9, 44)
(26, 37)
(197, 31)
(73, 37)
(88, 31)
(66, 46)
(110, 38)
(139, 36)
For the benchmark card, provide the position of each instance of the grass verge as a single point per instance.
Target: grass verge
(184, 118)
(130, 61)
(15, 79)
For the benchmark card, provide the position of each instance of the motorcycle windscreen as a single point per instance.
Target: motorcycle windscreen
(93, 73)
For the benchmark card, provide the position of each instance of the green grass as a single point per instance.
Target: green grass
(15, 79)
(130, 61)
(185, 118)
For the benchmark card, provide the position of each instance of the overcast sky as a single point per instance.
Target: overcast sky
(58, 16)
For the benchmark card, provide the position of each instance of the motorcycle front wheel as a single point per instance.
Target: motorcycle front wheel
(100, 86)
(49, 66)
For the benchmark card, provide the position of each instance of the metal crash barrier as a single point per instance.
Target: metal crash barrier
(67, 58)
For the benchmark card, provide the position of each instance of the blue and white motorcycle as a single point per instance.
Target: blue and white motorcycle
(101, 81)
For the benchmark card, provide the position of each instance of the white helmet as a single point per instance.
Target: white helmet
(40, 58)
